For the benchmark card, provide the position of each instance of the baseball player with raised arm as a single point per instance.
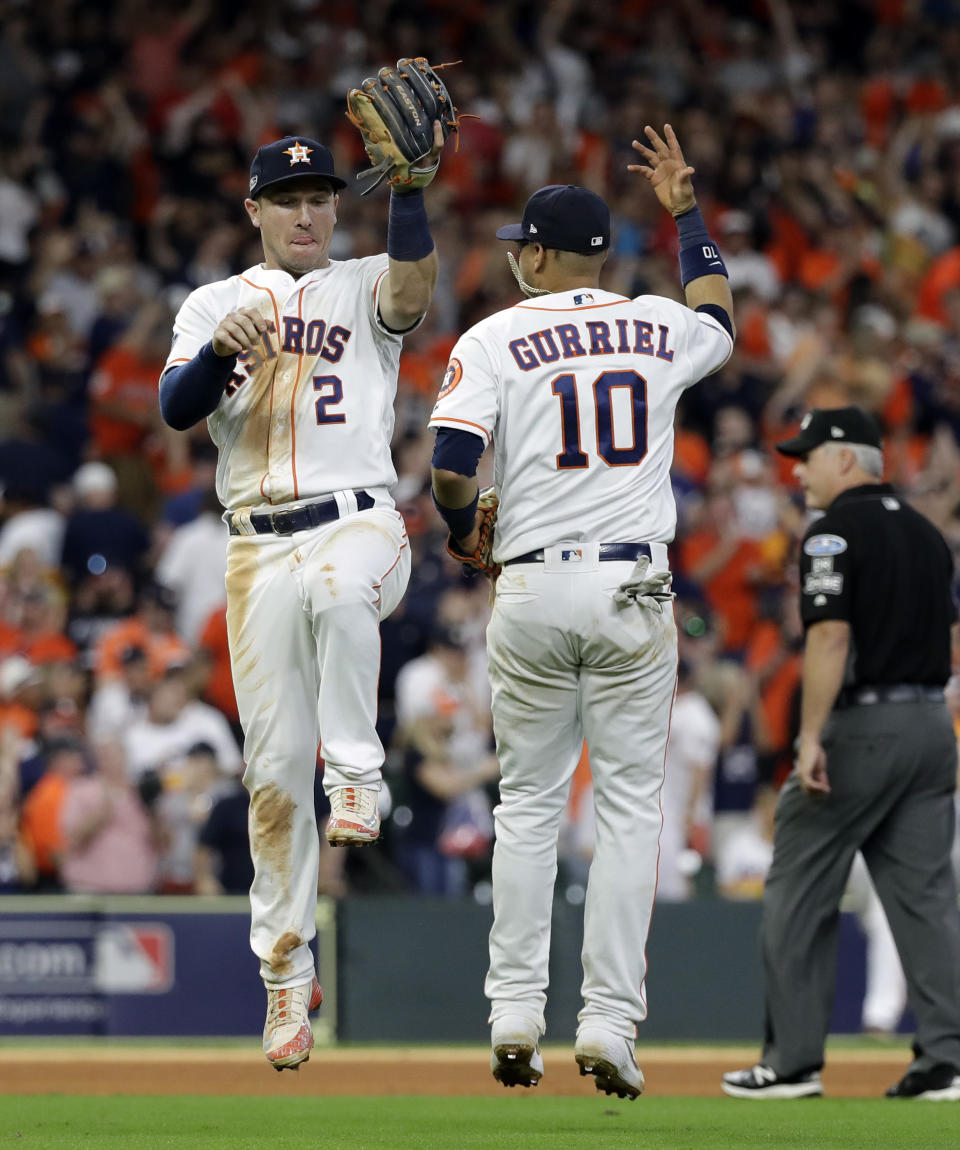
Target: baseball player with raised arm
(576, 387)
(294, 365)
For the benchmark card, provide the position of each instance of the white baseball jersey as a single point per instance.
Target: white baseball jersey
(579, 389)
(311, 412)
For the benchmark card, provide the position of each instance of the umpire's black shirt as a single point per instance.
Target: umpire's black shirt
(874, 562)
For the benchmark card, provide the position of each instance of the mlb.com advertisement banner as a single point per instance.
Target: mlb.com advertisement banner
(131, 967)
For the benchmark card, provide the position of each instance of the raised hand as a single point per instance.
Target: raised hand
(668, 172)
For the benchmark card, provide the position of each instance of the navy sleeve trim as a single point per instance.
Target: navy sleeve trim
(191, 391)
(720, 314)
(457, 451)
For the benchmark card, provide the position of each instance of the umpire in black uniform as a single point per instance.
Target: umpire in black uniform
(875, 769)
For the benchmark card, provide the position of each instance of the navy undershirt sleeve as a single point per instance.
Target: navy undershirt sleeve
(720, 314)
(191, 391)
(457, 451)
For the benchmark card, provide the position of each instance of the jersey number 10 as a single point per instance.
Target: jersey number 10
(565, 389)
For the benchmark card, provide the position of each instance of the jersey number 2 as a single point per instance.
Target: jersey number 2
(565, 389)
(331, 393)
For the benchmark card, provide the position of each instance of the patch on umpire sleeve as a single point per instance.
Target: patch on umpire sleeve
(821, 583)
(825, 545)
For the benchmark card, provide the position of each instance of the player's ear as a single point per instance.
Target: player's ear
(253, 211)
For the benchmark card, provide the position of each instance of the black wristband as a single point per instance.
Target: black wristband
(460, 520)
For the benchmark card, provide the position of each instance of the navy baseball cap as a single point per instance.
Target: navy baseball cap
(289, 158)
(832, 425)
(564, 217)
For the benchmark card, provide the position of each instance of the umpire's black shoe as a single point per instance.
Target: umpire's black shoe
(941, 1083)
(762, 1082)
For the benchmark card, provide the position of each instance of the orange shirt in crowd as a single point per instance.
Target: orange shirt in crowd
(163, 650)
(213, 640)
(730, 592)
(776, 695)
(40, 828)
(943, 276)
(47, 647)
(19, 718)
(122, 378)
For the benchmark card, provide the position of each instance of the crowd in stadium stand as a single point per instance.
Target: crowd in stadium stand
(826, 142)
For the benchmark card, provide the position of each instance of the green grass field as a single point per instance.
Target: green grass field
(527, 1122)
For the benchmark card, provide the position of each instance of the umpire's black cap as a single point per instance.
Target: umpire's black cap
(564, 217)
(832, 425)
(289, 158)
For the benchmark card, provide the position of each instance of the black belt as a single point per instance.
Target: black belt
(895, 693)
(300, 518)
(608, 551)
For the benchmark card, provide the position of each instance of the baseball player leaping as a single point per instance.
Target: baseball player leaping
(577, 387)
(294, 365)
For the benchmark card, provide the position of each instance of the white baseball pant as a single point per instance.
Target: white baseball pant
(568, 663)
(303, 614)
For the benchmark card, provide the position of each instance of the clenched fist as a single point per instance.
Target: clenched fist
(239, 331)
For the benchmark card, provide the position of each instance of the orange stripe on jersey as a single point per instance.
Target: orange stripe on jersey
(293, 398)
(449, 419)
(276, 318)
(583, 307)
(175, 361)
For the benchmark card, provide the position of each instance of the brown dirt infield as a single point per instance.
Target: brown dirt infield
(105, 1069)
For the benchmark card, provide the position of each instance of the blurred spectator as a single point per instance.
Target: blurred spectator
(222, 863)
(19, 696)
(187, 504)
(151, 629)
(29, 525)
(126, 428)
(118, 703)
(98, 602)
(109, 836)
(11, 849)
(213, 656)
(692, 749)
(39, 633)
(184, 807)
(41, 818)
(98, 533)
(444, 729)
(160, 739)
(738, 807)
(194, 566)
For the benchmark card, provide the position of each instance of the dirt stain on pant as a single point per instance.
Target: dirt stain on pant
(279, 957)
(271, 827)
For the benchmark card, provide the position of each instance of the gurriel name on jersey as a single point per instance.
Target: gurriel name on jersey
(593, 337)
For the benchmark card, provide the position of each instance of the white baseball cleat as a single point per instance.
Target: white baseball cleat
(354, 817)
(287, 1037)
(612, 1061)
(516, 1059)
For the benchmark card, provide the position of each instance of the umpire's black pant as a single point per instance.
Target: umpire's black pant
(892, 770)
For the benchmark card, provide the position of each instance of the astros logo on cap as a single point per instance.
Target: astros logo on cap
(299, 154)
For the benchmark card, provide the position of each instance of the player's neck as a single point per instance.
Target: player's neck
(557, 284)
(270, 265)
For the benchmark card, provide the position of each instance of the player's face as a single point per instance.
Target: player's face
(296, 221)
(820, 475)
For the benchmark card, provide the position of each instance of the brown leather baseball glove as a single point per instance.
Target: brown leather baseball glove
(395, 111)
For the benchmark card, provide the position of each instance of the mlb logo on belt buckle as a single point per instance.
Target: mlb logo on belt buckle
(571, 555)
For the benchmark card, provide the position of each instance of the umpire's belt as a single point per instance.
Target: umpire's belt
(625, 552)
(285, 522)
(895, 693)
